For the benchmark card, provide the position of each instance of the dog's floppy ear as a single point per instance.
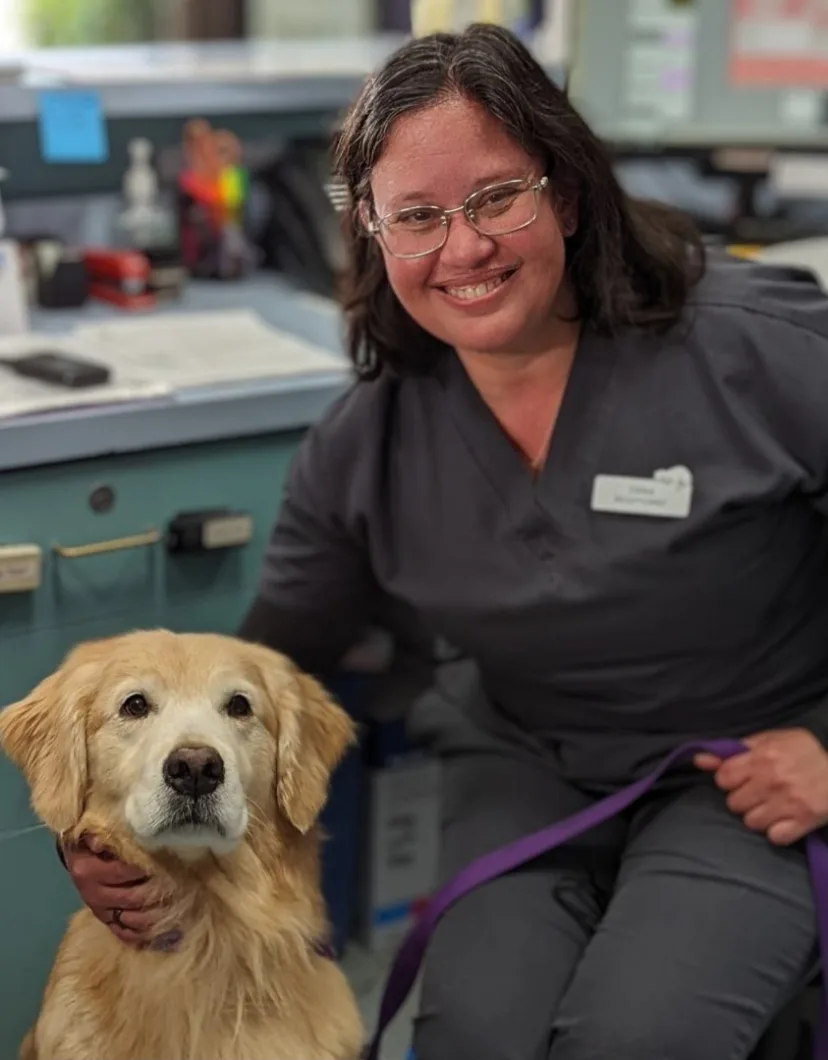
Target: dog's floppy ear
(312, 736)
(45, 736)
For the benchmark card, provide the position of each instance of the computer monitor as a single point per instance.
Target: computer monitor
(703, 73)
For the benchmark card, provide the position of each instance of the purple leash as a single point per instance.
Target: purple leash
(498, 862)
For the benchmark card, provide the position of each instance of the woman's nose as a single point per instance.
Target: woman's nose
(464, 245)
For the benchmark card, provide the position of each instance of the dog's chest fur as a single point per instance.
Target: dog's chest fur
(157, 1005)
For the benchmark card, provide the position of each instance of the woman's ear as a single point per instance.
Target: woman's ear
(363, 216)
(568, 218)
(567, 201)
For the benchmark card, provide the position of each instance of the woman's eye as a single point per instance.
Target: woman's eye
(416, 219)
(497, 200)
(239, 706)
(135, 706)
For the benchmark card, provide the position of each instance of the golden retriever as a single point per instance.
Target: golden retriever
(205, 761)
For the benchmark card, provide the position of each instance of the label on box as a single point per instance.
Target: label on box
(403, 848)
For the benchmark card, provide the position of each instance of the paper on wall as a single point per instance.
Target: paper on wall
(659, 73)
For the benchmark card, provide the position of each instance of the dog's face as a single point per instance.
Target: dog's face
(179, 737)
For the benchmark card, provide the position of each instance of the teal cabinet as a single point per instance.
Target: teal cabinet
(36, 899)
(93, 502)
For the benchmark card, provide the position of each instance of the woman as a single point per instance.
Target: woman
(598, 467)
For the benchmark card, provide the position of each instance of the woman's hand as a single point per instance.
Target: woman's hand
(119, 895)
(778, 786)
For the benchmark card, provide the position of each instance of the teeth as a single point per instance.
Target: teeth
(478, 290)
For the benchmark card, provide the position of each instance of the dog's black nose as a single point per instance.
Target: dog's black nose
(194, 771)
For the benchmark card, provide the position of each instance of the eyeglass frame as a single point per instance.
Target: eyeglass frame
(374, 227)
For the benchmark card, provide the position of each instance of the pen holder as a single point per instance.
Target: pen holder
(212, 200)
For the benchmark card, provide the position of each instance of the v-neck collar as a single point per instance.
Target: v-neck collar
(575, 443)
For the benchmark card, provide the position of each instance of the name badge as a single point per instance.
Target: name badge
(667, 495)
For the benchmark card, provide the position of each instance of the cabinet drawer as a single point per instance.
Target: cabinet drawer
(101, 502)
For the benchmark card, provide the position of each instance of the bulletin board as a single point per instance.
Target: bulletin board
(779, 43)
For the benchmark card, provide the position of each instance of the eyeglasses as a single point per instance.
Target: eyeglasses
(493, 211)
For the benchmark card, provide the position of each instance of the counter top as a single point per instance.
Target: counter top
(196, 415)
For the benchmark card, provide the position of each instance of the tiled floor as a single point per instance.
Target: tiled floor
(366, 973)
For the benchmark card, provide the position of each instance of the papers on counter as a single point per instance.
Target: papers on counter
(24, 397)
(20, 396)
(200, 349)
(157, 356)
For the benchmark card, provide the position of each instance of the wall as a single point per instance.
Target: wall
(321, 18)
(31, 177)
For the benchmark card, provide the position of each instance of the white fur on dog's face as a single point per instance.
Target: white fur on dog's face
(146, 719)
(179, 740)
(157, 813)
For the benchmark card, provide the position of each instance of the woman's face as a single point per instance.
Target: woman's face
(478, 293)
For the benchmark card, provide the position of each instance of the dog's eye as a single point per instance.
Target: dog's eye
(239, 706)
(135, 706)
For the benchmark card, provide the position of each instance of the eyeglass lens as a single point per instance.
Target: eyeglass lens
(492, 211)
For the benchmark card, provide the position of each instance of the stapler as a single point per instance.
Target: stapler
(121, 277)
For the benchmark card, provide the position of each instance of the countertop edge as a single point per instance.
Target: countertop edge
(209, 415)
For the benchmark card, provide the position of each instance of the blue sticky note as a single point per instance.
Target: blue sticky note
(72, 126)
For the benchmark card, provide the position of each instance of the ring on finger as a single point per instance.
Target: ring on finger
(115, 919)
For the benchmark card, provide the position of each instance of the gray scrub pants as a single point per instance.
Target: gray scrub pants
(674, 933)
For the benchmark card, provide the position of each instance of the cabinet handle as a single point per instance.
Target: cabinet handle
(115, 544)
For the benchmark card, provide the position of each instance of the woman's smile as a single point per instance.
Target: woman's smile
(473, 293)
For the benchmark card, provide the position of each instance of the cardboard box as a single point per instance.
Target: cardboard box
(402, 840)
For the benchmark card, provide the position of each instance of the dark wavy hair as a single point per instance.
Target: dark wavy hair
(631, 263)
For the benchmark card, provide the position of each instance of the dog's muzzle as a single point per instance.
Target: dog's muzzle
(194, 772)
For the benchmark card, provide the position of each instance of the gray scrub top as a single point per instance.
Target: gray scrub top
(609, 618)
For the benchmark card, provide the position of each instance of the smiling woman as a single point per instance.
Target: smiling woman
(596, 464)
(495, 279)
(419, 153)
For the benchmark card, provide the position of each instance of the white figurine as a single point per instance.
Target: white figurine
(144, 221)
(140, 183)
